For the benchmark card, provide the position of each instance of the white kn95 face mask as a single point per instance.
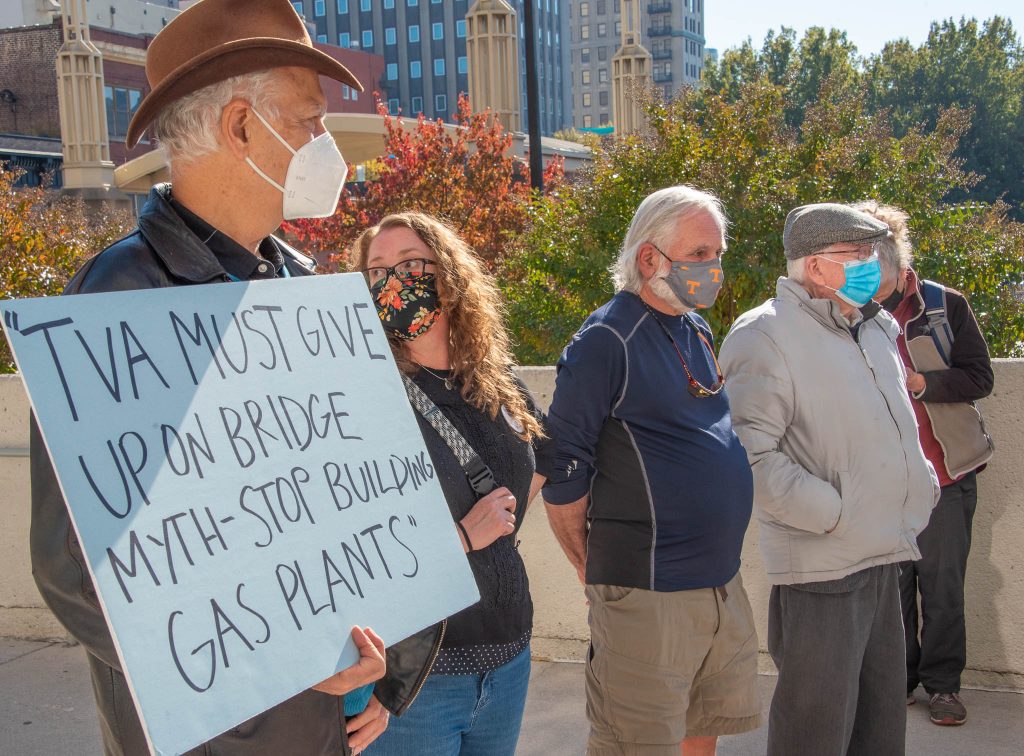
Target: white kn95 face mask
(316, 175)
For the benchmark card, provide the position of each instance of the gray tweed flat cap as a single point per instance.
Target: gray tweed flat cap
(813, 227)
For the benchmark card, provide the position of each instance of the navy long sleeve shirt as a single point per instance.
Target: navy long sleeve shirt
(669, 483)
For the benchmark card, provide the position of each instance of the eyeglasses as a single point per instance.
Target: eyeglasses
(863, 252)
(403, 271)
(682, 262)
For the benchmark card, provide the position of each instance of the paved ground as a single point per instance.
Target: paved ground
(46, 710)
(555, 722)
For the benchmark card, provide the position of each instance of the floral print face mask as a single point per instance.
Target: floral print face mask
(407, 307)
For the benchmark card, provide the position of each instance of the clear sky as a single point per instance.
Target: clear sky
(868, 23)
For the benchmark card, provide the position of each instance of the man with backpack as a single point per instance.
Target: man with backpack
(948, 370)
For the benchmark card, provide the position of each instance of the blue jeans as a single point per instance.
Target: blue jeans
(462, 715)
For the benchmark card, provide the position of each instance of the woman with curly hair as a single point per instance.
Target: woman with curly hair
(445, 320)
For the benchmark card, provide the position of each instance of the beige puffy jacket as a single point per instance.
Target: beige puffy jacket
(840, 481)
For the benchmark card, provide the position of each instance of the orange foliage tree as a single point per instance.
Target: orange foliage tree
(44, 237)
(464, 175)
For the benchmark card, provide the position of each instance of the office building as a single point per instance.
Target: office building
(671, 30)
(423, 43)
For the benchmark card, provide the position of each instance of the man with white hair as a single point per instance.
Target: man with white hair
(656, 495)
(236, 102)
(841, 486)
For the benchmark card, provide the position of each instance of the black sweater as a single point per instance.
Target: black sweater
(505, 611)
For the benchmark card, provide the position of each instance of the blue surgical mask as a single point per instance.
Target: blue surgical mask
(863, 277)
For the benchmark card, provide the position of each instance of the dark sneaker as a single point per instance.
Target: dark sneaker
(947, 709)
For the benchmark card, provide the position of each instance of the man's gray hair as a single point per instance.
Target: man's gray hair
(655, 222)
(187, 129)
(894, 253)
(795, 269)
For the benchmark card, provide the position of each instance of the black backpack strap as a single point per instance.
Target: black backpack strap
(479, 474)
(938, 323)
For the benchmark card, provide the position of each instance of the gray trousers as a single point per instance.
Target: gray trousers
(839, 649)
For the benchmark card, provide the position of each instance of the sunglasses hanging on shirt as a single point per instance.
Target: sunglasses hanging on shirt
(695, 387)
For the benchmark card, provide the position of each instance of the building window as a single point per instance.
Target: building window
(364, 5)
(602, 54)
(414, 32)
(584, 10)
(437, 31)
(585, 31)
(602, 98)
(342, 7)
(440, 103)
(393, 106)
(460, 28)
(298, 8)
(121, 106)
(415, 69)
(344, 40)
(602, 7)
(438, 66)
(390, 36)
(588, 121)
(586, 99)
(413, 3)
(602, 30)
(463, 65)
(345, 89)
(321, 38)
(602, 76)
(389, 4)
(417, 105)
(392, 71)
(319, 8)
(368, 39)
(584, 55)
(585, 73)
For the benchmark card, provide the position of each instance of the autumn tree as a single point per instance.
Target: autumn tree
(44, 237)
(464, 175)
(741, 146)
(967, 65)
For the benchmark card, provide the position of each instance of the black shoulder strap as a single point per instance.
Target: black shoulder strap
(479, 474)
(938, 323)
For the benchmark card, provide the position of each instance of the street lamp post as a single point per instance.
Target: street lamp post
(533, 98)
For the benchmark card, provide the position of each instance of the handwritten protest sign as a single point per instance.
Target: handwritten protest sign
(247, 480)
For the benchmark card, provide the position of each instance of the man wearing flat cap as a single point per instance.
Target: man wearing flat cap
(236, 102)
(841, 486)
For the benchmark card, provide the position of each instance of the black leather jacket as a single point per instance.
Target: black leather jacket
(160, 252)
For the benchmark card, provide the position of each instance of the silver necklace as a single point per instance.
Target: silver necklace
(447, 381)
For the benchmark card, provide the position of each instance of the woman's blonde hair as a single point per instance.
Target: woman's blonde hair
(481, 352)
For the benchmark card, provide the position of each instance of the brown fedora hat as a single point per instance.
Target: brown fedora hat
(214, 40)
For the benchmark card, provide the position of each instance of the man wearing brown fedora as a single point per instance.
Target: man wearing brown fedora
(236, 103)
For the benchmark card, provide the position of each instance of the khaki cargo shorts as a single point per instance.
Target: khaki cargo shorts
(664, 666)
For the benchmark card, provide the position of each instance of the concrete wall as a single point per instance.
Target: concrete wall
(22, 614)
(995, 572)
(995, 580)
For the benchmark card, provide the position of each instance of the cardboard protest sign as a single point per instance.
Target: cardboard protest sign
(248, 481)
